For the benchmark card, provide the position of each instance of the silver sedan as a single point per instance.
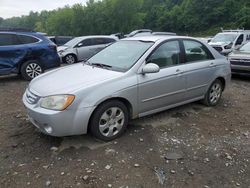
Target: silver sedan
(129, 79)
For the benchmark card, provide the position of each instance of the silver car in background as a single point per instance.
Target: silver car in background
(82, 48)
(240, 60)
(129, 79)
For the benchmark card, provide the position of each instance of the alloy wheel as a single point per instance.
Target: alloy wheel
(70, 59)
(33, 70)
(215, 93)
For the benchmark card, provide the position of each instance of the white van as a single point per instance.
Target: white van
(228, 40)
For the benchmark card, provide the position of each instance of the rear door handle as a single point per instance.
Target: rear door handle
(178, 71)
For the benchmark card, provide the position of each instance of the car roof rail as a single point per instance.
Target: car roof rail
(233, 30)
(16, 29)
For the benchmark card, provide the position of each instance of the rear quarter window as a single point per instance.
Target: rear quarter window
(25, 39)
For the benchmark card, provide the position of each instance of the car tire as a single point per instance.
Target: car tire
(213, 95)
(31, 69)
(70, 59)
(109, 120)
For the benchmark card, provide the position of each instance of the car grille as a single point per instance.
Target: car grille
(31, 98)
(242, 62)
(219, 49)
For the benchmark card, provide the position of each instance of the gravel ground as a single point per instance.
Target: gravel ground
(189, 146)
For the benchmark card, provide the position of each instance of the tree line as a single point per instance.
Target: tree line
(113, 16)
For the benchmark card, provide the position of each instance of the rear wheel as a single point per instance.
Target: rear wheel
(109, 120)
(31, 69)
(70, 59)
(213, 94)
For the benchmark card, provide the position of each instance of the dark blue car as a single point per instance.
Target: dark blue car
(27, 53)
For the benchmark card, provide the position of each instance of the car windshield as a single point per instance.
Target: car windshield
(73, 42)
(246, 47)
(222, 37)
(122, 55)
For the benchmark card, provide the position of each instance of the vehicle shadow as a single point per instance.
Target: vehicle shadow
(245, 78)
(11, 78)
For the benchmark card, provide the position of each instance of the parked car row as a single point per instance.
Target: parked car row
(235, 44)
(30, 53)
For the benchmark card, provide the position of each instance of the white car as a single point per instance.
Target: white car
(82, 48)
(229, 40)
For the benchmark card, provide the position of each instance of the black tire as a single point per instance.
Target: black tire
(212, 98)
(70, 59)
(113, 125)
(31, 69)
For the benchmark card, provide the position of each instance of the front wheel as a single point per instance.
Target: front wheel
(31, 69)
(213, 94)
(109, 120)
(70, 59)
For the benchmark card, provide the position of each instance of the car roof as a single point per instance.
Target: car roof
(154, 38)
(95, 36)
(228, 33)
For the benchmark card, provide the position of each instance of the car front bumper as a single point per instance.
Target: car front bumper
(58, 123)
(239, 69)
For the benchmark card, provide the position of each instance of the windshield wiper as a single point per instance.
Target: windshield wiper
(101, 65)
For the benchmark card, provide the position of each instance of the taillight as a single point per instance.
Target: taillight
(53, 47)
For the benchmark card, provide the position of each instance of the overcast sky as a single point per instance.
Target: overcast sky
(10, 8)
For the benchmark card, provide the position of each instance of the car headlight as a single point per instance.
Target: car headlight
(57, 102)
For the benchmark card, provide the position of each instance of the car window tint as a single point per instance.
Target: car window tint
(61, 41)
(8, 39)
(109, 40)
(99, 41)
(196, 51)
(240, 40)
(167, 54)
(24, 39)
(86, 42)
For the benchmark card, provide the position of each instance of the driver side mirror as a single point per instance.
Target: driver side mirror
(150, 68)
(79, 44)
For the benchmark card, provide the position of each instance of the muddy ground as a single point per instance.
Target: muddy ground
(189, 146)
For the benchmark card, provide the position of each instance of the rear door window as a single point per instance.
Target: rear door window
(99, 41)
(109, 40)
(25, 39)
(195, 51)
(8, 39)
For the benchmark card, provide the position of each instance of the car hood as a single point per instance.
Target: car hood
(61, 48)
(68, 79)
(240, 54)
(218, 43)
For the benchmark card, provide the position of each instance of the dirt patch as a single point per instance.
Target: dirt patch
(189, 146)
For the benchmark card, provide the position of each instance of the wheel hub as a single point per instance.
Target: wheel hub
(111, 122)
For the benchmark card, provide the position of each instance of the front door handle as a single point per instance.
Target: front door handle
(212, 65)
